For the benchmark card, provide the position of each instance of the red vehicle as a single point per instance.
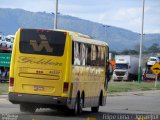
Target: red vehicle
(148, 74)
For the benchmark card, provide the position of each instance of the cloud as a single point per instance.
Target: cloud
(130, 18)
(152, 30)
(127, 14)
(30, 5)
(125, 18)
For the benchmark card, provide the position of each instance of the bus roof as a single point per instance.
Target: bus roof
(84, 38)
(89, 41)
(81, 37)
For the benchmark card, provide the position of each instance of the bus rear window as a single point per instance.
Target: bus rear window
(42, 42)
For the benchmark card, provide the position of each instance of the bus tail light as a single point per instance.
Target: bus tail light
(11, 82)
(65, 87)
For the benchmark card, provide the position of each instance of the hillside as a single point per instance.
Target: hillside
(118, 38)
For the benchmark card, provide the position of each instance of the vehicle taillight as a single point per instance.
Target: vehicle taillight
(11, 82)
(65, 87)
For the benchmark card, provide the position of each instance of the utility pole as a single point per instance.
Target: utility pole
(55, 15)
(140, 51)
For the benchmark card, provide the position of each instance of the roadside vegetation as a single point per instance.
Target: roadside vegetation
(3, 88)
(132, 86)
(113, 87)
(154, 48)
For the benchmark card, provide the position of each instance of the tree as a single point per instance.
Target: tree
(154, 48)
(137, 48)
(129, 52)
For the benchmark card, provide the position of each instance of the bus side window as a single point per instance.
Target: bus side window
(94, 57)
(76, 53)
(88, 54)
(101, 56)
(72, 53)
(82, 53)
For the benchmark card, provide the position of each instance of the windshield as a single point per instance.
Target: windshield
(121, 66)
(153, 59)
(42, 42)
(8, 40)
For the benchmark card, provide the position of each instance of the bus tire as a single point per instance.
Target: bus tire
(95, 109)
(78, 106)
(100, 102)
(27, 108)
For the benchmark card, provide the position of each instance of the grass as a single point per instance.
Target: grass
(132, 86)
(3, 88)
(113, 87)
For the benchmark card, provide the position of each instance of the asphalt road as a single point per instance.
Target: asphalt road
(122, 106)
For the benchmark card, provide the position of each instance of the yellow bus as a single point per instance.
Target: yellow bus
(58, 69)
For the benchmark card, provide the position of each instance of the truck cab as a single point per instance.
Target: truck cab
(2, 41)
(126, 67)
(9, 41)
(121, 70)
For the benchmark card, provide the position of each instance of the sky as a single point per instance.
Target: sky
(120, 13)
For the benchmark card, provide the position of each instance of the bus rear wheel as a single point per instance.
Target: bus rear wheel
(78, 106)
(27, 108)
(95, 109)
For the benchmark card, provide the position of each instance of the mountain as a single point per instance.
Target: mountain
(117, 38)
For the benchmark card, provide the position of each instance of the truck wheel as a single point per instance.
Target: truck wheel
(27, 108)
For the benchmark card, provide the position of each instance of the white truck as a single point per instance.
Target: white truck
(9, 41)
(126, 67)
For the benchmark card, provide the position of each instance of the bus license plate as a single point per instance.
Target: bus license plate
(38, 88)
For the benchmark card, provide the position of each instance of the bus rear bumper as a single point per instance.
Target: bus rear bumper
(19, 98)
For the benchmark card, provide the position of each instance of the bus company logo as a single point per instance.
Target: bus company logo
(43, 44)
(42, 61)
